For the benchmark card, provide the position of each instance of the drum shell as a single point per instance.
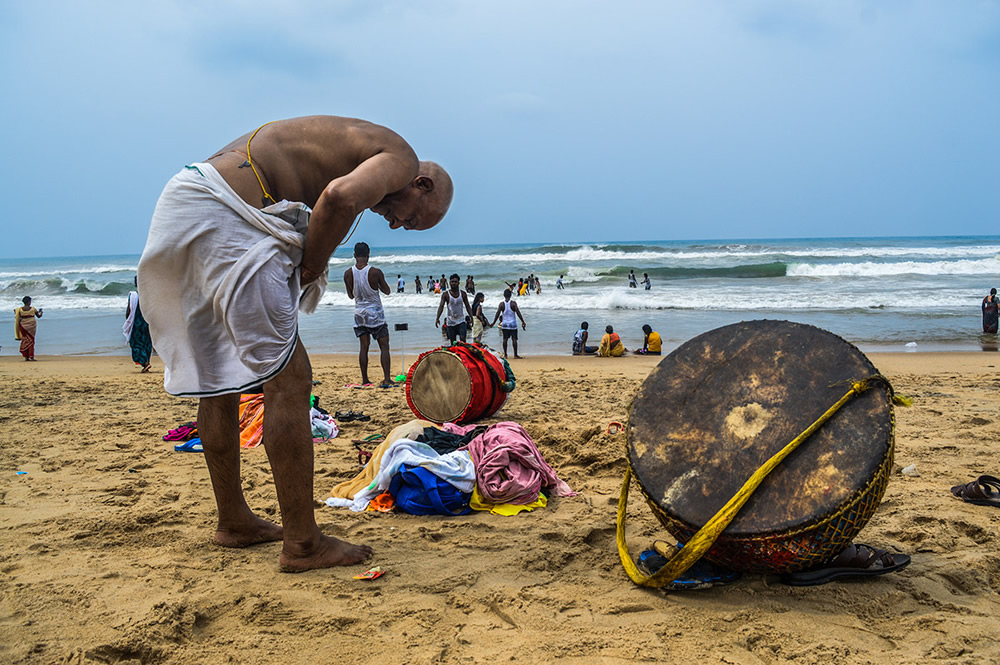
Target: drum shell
(484, 397)
(754, 543)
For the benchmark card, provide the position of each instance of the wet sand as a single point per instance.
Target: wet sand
(107, 556)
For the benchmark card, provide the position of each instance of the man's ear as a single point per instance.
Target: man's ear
(423, 183)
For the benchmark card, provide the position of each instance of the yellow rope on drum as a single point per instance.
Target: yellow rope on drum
(706, 536)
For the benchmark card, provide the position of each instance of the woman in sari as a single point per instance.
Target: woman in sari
(136, 331)
(611, 344)
(25, 324)
(479, 321)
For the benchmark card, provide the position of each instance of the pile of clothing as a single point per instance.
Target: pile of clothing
(496, 468)
(324, 427)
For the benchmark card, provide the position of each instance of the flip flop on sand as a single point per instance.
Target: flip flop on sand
(855, 561)
(192, 446)
(983, 491)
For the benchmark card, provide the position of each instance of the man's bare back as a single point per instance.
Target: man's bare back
(297, 158)
(339, 167)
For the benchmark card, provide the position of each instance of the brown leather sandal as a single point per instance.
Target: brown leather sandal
(983, 491)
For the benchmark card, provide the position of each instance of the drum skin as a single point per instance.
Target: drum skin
(452, 385)
(718, 407)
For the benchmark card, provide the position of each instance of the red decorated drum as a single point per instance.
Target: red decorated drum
(458, 384)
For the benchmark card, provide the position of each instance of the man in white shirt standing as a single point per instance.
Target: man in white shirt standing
(363, 284)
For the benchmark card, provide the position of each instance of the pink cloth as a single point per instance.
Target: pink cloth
(509, 467)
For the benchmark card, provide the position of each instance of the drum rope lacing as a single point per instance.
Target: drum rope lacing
(706, 536)
(505, 384)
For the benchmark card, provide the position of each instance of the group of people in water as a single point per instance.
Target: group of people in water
(611, 343)
(434, 286)
(633, 284)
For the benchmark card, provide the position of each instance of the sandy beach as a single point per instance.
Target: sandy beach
(107, 556)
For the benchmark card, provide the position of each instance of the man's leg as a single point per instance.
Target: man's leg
(503, 333)
(514, 338)
(218, 425)
(383, 345)
(365, 340)
(289, 445)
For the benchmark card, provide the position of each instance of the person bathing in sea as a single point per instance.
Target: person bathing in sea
(458, 305)
(991, 312)
(510, 312)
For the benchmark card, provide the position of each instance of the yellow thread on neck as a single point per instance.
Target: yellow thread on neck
(250, 161)
(261, 182)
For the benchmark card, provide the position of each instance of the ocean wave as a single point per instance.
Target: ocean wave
(752, 271)
(56, 285)
(639, 255)
(982, 267)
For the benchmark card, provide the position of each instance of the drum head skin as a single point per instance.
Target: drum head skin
(440, 387)
(713, 411)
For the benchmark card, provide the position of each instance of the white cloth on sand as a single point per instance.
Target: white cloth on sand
(455, 468)
(220, 285)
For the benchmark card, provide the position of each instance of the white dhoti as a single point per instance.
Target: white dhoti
(220, 285)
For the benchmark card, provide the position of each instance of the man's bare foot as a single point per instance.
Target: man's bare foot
(258, 531)
(327, 553)
(518, 357)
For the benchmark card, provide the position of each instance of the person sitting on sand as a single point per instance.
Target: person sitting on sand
(651, 343)
(580, 341)
(508, 309)
(25, 325)
(458, 305)
(611, 344)
(991, 312)
(236, 246)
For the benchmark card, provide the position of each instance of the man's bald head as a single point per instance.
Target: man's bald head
(422, 203)
(442, 190)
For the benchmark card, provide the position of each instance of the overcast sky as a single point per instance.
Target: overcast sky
(560, 121)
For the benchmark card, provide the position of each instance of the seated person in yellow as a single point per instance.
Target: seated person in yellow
(611, 344)
(651, 343)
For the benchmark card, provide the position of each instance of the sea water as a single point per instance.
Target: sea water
(879, 293)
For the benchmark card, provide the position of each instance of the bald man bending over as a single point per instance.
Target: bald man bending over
(237, 244)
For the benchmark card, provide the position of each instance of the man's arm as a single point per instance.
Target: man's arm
(517, 310)
(349, 283)
(437, 319)
(468, 307)
(499, 312)
(344, 198)
(380, 282)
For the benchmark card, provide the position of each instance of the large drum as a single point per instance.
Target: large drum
(716, 409)
(458, 384)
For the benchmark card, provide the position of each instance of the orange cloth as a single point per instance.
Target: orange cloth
(251, 420)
